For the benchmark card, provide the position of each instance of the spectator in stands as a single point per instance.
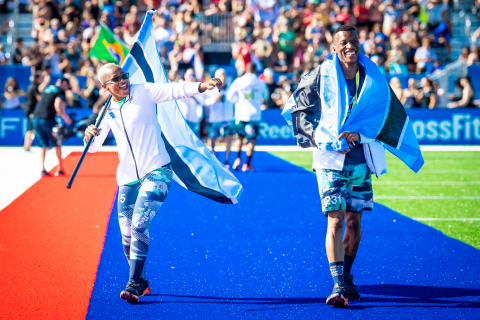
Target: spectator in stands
(410, 93)
(262, 48)
(242, 54)
(361, 15)
(18, 51)
(443, 34)
(397, 88)
(92, 92)
(73, 95)
(465, 53)
(73, 56)
(281, 64)
(424, 56)
(12, 94)
(272, 86)
(426, 96)
(286, 40)
(397, 59)
(3, 59)
(467, 97)
(175, 56)
(474, 56)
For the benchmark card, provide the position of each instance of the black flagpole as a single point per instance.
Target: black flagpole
(85, 151)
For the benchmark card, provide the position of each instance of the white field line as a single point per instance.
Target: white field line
(426, 182)
(446, 219)
(19, 170)
(426, 198)
(423, 148)
(434, 171)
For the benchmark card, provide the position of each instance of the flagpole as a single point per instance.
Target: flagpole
(85, 151)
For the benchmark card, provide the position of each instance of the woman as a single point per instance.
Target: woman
(397, 88)
(12, 94)
(468, 95)
(409, 94)
(144, 173)
(426, 95)
(465, 53)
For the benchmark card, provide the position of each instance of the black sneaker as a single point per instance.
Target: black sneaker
(352, 293)
(45, 173)
(338, 298)
(135, 290)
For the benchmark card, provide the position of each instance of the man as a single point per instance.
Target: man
(220, 116)
(271, 85)
(52, 103)
(248, 94)
(34, 91)
(192, 107)
(328, 112)
(144, 173)
(424, 56)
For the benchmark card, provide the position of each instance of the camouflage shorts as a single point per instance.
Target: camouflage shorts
(349, 189)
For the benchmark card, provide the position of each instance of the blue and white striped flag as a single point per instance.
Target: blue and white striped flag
(195, 167)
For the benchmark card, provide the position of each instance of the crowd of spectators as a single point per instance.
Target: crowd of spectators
(279, 36)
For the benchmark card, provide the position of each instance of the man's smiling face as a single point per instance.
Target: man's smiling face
(346, 45)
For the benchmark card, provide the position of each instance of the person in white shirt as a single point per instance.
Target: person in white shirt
(247, 93)
(219, 116)
(192, 107)
(144, 173)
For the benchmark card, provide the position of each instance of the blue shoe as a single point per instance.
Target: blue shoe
(352, 293)
(338, 297)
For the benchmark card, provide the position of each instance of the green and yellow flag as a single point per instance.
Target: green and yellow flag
(109, 47)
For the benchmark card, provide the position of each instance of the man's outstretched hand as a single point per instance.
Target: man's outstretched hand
(214, 82)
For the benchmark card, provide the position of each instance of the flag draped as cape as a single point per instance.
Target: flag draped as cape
(378, 113)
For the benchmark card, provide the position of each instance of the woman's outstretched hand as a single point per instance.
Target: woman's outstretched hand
(214, 82)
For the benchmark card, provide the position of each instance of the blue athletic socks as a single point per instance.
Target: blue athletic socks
(336, 269)
(348, 263)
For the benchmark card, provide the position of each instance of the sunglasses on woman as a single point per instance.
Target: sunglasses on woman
(117, 79)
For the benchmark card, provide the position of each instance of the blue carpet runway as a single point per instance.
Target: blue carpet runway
(265, 259)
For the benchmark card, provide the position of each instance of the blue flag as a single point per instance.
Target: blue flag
(195, 167)
(378, 113)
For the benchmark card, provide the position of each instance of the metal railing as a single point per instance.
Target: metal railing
(217, 32)
(446, 78)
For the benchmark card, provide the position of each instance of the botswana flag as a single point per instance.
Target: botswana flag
(195, 167)
(378, 113)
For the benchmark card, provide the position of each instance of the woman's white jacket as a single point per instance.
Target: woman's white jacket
(137, 131)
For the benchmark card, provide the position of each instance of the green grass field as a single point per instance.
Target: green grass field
(444, 194)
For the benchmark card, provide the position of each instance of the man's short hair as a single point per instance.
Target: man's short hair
(345, 27)
(251, 68)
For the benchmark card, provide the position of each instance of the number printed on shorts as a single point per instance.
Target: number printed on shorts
(122, 198)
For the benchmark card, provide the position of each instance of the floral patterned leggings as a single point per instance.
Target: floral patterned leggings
(138, 204)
